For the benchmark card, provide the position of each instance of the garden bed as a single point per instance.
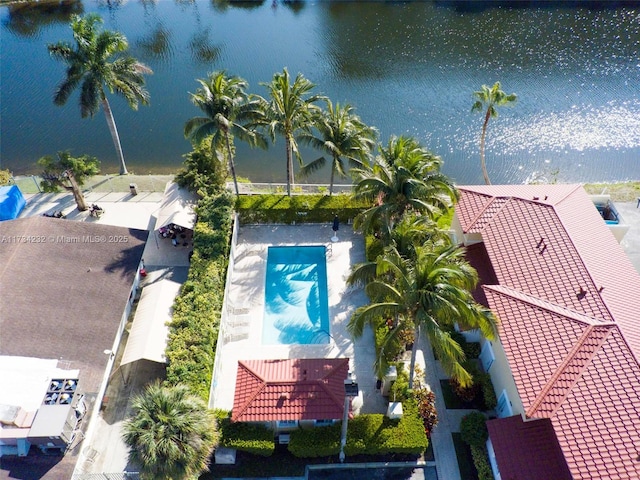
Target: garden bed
(453, 402)
(465, 460)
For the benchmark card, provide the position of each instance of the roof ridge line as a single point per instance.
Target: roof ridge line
(323, 381)
(586, 267)
(492, 200)
(576, 187)
(567, 360)
(549, 306)
(255, 393)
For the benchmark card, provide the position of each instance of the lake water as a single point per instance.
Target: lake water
(407, 68)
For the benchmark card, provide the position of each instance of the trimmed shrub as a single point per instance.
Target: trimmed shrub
(377, 434)
(488, 393)
(473, 429)
(247, 437)
(399, 391)
(481, 462)
(316, 442)
(297, 209)
(193, 331)
(371, 434)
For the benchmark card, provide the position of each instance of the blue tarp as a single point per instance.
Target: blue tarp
(11, 202)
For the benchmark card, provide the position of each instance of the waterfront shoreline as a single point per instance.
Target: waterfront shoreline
(620, 191)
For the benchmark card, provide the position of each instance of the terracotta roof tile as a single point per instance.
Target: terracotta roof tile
(471, 206)
(527, 450)
(540, 258)
(607, 263)
(586, 379)
(572, 345)
(291, 389)
(536, 337)
(597, 425)
(476, 255)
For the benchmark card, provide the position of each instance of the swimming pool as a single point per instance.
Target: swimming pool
(296, 304)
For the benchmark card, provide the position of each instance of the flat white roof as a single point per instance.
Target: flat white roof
(149, 332)
(29, 379)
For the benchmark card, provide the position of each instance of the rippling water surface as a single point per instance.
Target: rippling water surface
(408, 68)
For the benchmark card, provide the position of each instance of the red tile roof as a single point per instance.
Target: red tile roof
(572, 345)
(527, 450)
(292, 389)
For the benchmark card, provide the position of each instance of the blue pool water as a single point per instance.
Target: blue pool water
(296, 307)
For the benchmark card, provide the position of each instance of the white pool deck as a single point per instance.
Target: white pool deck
(240, 336)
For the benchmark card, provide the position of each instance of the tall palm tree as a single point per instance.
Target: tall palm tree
(95, 63)
(288, 112)
(405, 177)
(342, 135)
(172, 433)
(227, 109)
(489, 98)
(429, 293)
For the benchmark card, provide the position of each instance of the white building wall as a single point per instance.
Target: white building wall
(502, 378)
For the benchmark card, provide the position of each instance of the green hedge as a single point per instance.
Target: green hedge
(481, 462)
(473, 429)
(297, 209)
(316, 442)
(370, 434)
(252, 438)
(377, 434)
(488, 392)
(196, 311)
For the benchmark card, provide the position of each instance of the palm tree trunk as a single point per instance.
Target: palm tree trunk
(482, 139)
(114, 134)
(414, 352)
(289, 165)
(333, 171)
(232, 165)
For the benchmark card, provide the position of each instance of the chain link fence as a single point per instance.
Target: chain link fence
(103, 183)
(296, 189)
(30, 184)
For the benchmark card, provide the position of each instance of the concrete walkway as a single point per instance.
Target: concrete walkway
(441, 439)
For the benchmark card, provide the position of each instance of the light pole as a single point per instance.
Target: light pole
(350, 390)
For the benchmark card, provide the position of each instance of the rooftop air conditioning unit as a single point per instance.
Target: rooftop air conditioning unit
(60, 391)
(56, 385)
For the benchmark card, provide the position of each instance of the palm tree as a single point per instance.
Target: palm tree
(289, 111)
(405, 177)
(429, 293)
(171, 434)
(227, 107)
(94, 64)
(491, 98)
(342, 135)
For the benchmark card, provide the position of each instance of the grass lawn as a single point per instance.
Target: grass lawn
(452, 401)
(465, 461)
